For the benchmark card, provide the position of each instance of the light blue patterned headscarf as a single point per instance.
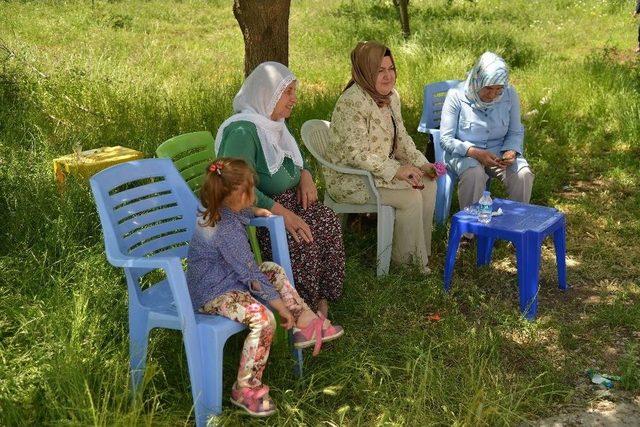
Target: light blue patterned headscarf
(489, 70)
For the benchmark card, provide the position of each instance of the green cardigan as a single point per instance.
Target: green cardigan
(240, 139)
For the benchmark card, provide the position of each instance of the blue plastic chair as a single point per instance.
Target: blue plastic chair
(434, 96)
(190, 154)
(148, 214)
(526, 226)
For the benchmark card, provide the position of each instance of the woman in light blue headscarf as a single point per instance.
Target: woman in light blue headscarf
(482, 134)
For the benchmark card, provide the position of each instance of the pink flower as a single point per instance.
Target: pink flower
(440, 167)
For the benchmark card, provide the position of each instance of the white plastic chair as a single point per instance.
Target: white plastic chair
(316, 137)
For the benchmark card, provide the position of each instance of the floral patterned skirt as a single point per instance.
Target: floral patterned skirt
(318, 267)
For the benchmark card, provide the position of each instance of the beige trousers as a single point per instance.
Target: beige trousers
(473, 182)
(414, 222)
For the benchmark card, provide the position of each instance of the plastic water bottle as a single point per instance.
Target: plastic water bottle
(485, 208)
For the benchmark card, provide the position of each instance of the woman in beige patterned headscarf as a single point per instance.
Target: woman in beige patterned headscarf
(368, 133)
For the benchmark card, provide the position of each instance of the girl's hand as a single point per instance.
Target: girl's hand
(307, 192)
(410, 174)
(295, 225)
(256, 286)
(261, 212)
(286, 318)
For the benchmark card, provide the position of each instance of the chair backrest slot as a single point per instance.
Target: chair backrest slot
(159, 215)
(150, 225)
(135, 183)
(147, 242)
(176, 249)
(434, 96)
(130, 213)
(132, 195)
(190, 153)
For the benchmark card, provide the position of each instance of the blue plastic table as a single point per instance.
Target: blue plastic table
(524, 225)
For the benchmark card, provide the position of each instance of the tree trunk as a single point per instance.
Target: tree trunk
(403, 8)
(265, 28)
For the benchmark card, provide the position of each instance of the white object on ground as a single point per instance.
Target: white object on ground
(497, 213)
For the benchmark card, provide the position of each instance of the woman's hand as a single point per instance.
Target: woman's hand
(295, 225)
(261, 212)
(487, 158)
(508, 157)
(429, 170)
(410, 174)
(307, 192)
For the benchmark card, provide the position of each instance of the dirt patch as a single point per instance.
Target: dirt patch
(610, 408)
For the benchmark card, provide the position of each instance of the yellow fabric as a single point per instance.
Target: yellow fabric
(92, 161)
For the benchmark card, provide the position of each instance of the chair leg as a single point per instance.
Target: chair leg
(298, 360)
(280, 248)
(483, 250)
(280, 253)
(386, 220)
(560, 243)
(452, 249)
(344, 217)
(528, 251)
(441, 201)
(138, 344)
(449, 182)
(205, 373)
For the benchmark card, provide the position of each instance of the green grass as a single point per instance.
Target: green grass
(137, 73)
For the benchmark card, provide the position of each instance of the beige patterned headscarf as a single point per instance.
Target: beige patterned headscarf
(365, 61)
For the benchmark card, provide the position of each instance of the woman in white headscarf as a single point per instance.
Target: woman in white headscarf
(482, 134)
(257, 133)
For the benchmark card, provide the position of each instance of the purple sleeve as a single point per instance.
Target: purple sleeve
(234, 247)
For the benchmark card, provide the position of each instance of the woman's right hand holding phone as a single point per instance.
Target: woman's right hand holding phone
(485, 157)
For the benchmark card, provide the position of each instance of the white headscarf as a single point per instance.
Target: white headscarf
(255, 102)
(490, 70)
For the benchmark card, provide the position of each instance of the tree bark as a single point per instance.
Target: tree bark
(265, 28)
(403, 8)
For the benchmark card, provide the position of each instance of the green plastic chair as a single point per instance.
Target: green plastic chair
(190, 154)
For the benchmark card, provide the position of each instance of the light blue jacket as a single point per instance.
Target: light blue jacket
(496, 129)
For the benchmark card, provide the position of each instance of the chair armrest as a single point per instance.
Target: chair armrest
(266, 221)
(279, 244)
(341, 169)
(164, 262)
(352, 171)
(172, 266)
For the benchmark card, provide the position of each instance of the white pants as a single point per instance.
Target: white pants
(414, 222)
(473, 182)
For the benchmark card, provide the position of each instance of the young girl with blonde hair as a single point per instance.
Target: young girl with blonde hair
(224, 279)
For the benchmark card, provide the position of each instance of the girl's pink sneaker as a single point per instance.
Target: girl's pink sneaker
(332, 331)
(254, 400)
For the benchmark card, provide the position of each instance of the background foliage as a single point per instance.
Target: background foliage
(137, 73)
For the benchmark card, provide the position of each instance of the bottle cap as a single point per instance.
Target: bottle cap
(486, 193)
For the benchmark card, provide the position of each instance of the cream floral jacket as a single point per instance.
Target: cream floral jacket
(362, 138)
